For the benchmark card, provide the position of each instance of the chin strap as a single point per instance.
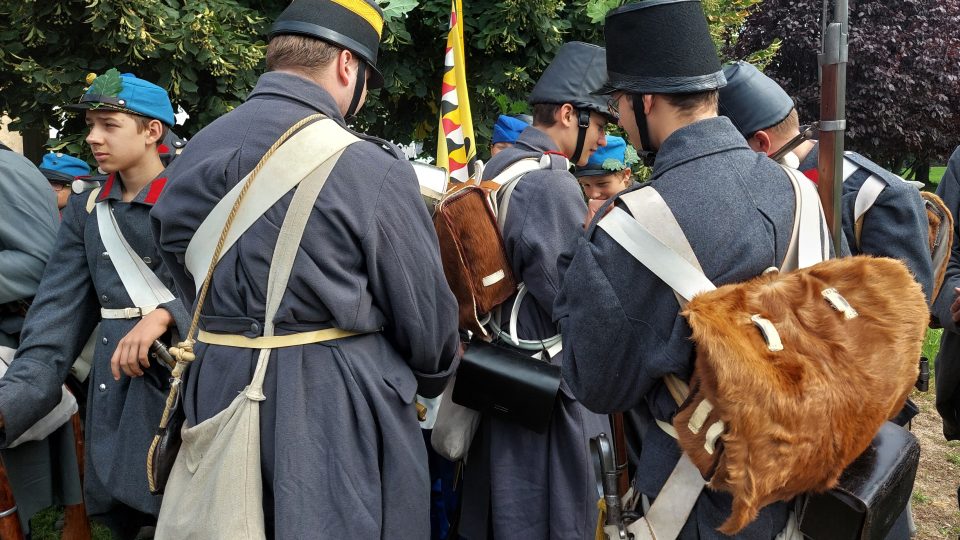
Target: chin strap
(583, 123)
(648, 153)
(357, 89)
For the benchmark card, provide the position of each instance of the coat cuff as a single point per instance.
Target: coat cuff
(180, 316)
(20, 401)
(431, 385)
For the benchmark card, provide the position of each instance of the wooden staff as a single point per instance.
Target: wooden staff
(76, 524)
(9, 520)
(620, 453)
(833, 86)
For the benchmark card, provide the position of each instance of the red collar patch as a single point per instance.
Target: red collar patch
(813, 174)
(106, 189)
(155, 188)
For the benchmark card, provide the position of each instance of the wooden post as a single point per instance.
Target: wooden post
(76, 524)
(9, 520)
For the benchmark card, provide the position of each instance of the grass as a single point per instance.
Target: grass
(931, 345)
(43, 528)
(936, 173)
(953, 457)
(919, 497)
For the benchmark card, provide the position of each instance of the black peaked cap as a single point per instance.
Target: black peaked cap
(660, 47)
(355, 25)
(576, 72)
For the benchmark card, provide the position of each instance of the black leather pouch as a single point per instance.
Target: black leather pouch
(872, 493)
(501, 381)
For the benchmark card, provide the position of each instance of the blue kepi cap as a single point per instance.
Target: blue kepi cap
(751, 100)
(507, 129)
(61, 168)
(127, 93)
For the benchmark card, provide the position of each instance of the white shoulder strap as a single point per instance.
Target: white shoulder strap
(660, 255)
(871, 189)
(507, 181)
(809, 242)
(143, 286)
(292, 162)
(284, 255)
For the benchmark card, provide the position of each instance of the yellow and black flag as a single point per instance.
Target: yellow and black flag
(456, 147)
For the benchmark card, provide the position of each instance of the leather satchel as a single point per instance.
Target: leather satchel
(474, 260)
(503, 382)
(165, 447)
(871, 494)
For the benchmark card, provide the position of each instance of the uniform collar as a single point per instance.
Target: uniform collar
(696, 140)
(112, 190)
(532, 139)
(293, 88)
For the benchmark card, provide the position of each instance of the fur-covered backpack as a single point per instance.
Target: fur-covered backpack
(939, 234)
(796, 369)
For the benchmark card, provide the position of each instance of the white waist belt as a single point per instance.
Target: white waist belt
(126, 313)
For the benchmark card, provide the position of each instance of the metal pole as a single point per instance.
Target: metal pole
(833, 86)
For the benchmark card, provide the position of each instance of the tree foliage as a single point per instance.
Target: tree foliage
(208, 54)
(903, 76)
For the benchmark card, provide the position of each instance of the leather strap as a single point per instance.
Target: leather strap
(670, 510)
(126, 313)
(293, 161)
(284, 255)
(868, 194)
(143, 286)
(274, 342)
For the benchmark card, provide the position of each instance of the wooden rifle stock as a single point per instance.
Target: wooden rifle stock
(76, 524)
(620, 453)
(9, 520)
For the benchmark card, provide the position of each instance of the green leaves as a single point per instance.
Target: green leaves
(396, 9)
(597, 9)
(108, 84)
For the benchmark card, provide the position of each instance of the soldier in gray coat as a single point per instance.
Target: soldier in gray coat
(80, 285)
(946, 311)
(518, 483)
(621, 326)
(895, 226)
(341, 450)
(41, 473)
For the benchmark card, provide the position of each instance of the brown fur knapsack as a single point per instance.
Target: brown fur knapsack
(794, 419)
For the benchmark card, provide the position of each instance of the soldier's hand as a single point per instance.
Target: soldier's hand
(132, 352)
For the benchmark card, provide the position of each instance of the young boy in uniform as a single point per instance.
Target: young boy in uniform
(103, 235)
(519, 483)
(606, 173)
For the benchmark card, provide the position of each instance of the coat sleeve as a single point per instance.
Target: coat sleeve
(62, 317)
(896, 226)
(28, 228)
(407, 281)
(949, 191)
(549, 212)
(619, 323)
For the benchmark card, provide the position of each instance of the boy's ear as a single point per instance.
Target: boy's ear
(566, 115)
(154, 131)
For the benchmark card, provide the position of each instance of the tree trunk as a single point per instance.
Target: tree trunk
(34, 142)
(922, 172)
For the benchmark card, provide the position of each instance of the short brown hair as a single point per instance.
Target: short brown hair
(694, 102)
(288, 51)
(786, 128)
(143, 123)
(545, 114)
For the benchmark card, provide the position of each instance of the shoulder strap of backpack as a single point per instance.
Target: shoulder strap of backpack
(871, 189)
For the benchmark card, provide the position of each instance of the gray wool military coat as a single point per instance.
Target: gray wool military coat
(895, 226)
(342, 451)
(947, 366)
(41, 473)
(622, 331)
(530, 485)
(122, 416)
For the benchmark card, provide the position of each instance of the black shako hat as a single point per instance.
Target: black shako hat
(751, 100)
(660, 47)
(576, 72)
(355, 25)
